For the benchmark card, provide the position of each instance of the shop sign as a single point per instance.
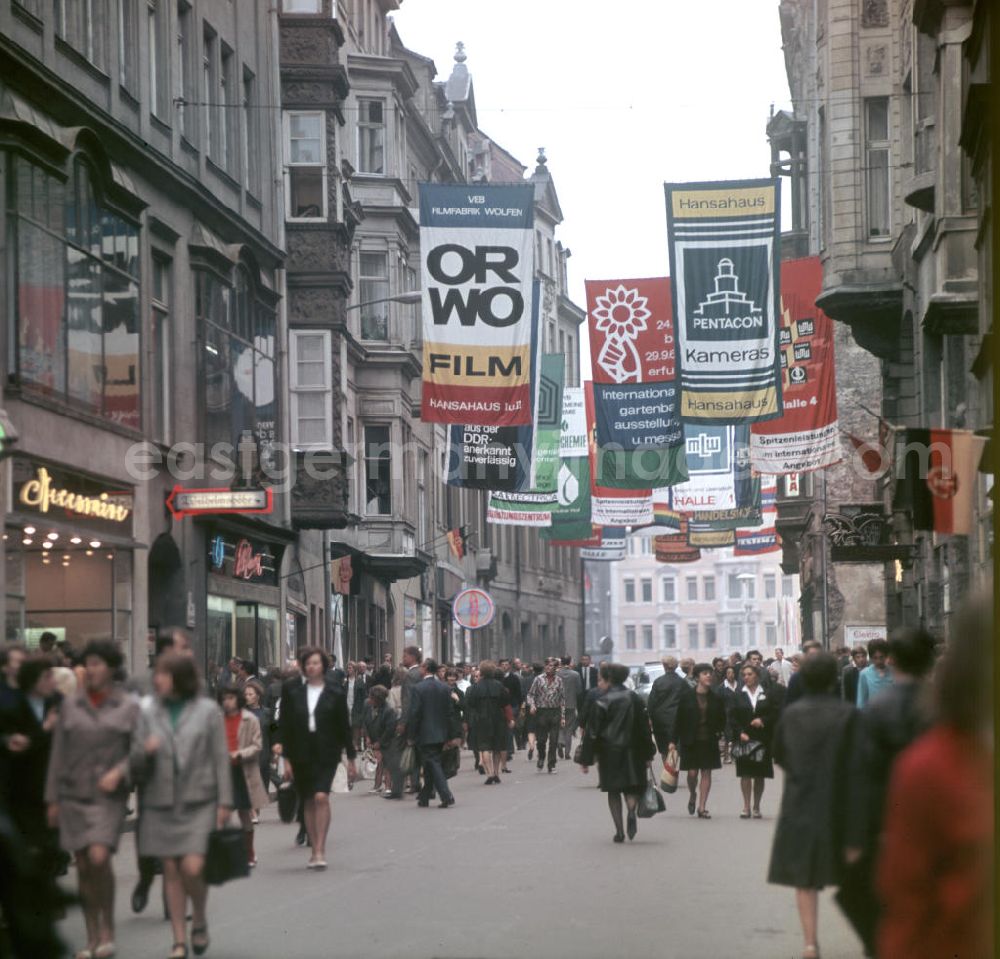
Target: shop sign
(244, 559)
(473, 608)
(60, 494)
(198, 502)
(863, 635)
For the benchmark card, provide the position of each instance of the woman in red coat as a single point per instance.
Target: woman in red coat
(935, 872)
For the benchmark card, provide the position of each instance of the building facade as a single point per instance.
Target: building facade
(889, 163)
(713, 607)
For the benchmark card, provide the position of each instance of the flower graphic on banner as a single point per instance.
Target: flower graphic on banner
(621, 315)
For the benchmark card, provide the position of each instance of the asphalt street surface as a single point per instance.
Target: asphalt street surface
(526, 868)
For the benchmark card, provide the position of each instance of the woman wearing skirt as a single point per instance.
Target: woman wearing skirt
(701, 719)
(88, 785)
(186, 791)
(754, 719)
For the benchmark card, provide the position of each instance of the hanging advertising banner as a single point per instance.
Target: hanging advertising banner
(663, 513)
(721, 487)
(764, 537)
(805, 437)
(573, 437)
(521, 509)
(674, 548)
(571, 515)
(592, 541)
(612, 546)
(632, 336)
(724, 256)
(489, 457)
(477, 249)
(548, 422)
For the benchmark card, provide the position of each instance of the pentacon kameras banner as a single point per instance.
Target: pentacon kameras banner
(807, 436)
(724, 265)
(477, 249)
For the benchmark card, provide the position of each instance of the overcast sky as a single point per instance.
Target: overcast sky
(623, 95)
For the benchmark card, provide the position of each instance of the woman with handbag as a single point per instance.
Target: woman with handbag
(618, 735)
(701, 719)
(88, 785)
(754, 719)
(182, 765)
(243, 739)
(315, 731)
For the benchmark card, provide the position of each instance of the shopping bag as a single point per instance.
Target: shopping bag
(671, 766)
(368, 765)
(227, 856)
(408, 761)
(651, 801)
(451, 760)
(341, 783)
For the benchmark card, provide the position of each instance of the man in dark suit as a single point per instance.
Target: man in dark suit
(850, 674)
(512, 683)
(664, 700)
(430, 726)
(588, 677)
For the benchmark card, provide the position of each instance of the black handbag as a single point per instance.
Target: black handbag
(752, 751)
(451, 760)
(288, 802)
(227, 856)
(651, 801)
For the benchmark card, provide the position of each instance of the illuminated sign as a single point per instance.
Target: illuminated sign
(194, 502)
(40, 493)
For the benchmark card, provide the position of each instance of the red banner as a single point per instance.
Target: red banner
(806, 436)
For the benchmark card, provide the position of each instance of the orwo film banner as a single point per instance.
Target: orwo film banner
(477, 249)
(724, 257)
(806, 437)
(632, 337)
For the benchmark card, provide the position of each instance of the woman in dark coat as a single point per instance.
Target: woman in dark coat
(813, 743)
(701, 719)
(754, 717)
(618, 734)
(488, 717)
(380, 731)
(315, 730)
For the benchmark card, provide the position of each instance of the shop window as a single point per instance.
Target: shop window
(305, 162)
(82, 24)
(239, 365)
(311, 389)
(373, 288)
(877, 166)
(378, 471)
(77, 292)
(371, 136)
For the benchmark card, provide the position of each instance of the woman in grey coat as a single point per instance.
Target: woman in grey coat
(88, 784)
(813, 743)
(186, 790)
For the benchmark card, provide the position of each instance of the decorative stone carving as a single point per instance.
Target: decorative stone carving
(874, 13)
(876, 59)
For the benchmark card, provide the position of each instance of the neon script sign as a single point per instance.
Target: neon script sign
(40, 493)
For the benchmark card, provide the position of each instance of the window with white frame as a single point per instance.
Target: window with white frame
(647, 636)
(692, 589)
(877, 166)
(647, 590)
(305, 162)
(128, 46)
(373, 289)
(371, 136)
(669, 589)
(771, 635)
(630, 637)
(668, 636)
(251, 134)
(229, 101)
(692, 635)
(209, 88)
(770, 586)
(311, 389)
(787, 586)
(735, 635)
(733, 586)
(629, 590)
(158, 25)
(302, 6)
(709, 587)
(709, 635)
(82, 23)
(184, 78)
(161, 299)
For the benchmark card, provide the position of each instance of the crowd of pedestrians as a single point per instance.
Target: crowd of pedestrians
(886, 756)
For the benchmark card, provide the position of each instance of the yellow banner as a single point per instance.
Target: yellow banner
(720, 203)
(727, 406)
(451, 364)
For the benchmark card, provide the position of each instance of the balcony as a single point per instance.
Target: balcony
(872, 309)
(319, 496)
(389, 548)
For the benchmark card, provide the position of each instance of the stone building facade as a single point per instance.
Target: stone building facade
(887, 157)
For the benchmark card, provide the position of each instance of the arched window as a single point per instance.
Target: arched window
(77, 268)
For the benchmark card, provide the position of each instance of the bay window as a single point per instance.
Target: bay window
(311, 389)
(305, 162)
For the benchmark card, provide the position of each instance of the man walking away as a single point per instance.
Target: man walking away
(411, 663)
(547, 703)
(512, 683)
(573, 690)
(664, 698)
(432, 724)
